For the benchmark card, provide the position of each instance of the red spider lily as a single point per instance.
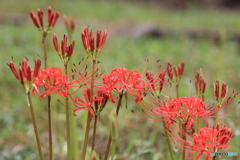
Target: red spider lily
(69, 23)
(24, 74)
(93, 50)
(206, 141)
(100, 104)
(156, 82)
(200, 83)
(52, 19)
(220, 93)
(175, 71)
(65, 51)
(54, 81)
(87, 104)
(188, 109)
(121, 81)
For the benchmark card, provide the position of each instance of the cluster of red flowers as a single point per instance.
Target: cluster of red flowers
(93, 50)
(53, 80)
(207, 140)
(52, 18)
(24, 74)
(121, 81)
(65, 51)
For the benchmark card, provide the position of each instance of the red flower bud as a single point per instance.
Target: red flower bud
(216, 89)
(21, 76)
(34, 19)
(37, 68)
(13, 68)
(55, 42)
(56, 16)
(169, 70)
(70, 49)
(224, 90)
(98, 39)
(50, 14)
(40, 16)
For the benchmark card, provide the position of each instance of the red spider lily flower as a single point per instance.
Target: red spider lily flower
(24, 74)
(200, 83)
(150, 77)
(175, 71)
(69, 23)
(52, 19)
(65, 51)
(93, 50)
(121, 81)
(187, 109)
(100, 104)
(220, 93)
(53, 81)
(108, 86)
(206, 141)
(87, 104)
(156, 82)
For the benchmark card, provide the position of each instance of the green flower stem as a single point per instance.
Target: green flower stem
(108, 147)
(75, 139)
(168, 141)
(34, 125)
(177, 90)
(166, 134)
(184, 138)
(119, 103)
(89, 118)
(50, 129)
(68, 123)
(94, 132)
(110, 136)
(85, 142)
(44, 36)
(215, 157)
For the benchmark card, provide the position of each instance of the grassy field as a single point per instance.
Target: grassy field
(138, 139)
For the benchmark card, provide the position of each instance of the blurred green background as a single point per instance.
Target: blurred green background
(202, 34)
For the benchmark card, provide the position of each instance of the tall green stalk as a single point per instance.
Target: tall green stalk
(108, 147)
(184, 139)
(166, 133)
(29, 99)
(75, 138)
(89, 118)
(50, 129)
(110, 136)
(44, 36)
(168, 141)
(177, 90)
(85, 142)
(68, 122)
(74, 125)
(94, 132)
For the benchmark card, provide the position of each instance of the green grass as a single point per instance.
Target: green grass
(20, 39)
